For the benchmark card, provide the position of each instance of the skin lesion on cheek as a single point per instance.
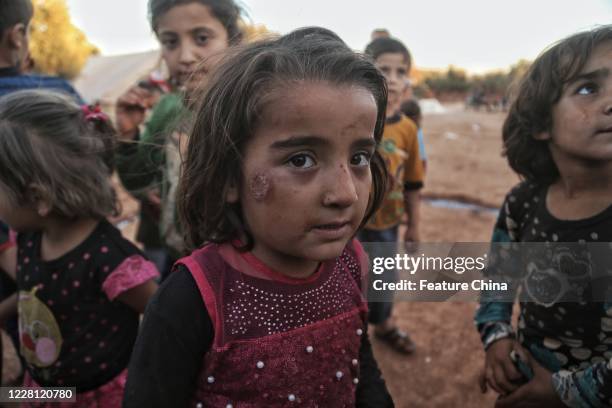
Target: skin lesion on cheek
(260, 186)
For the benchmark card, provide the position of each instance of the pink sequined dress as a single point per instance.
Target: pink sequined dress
(280, 341)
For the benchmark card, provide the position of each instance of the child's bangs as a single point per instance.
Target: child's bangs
(572, 55)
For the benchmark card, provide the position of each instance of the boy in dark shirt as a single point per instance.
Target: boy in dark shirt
(15, 16)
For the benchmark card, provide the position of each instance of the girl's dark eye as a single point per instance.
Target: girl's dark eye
(586, 89)
(201, 39)
(301, 161)
(361, 159)
(169, 43)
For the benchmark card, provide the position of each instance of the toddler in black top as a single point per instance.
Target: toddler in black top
(81, 285)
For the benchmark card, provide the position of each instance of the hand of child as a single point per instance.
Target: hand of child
(411, 239)
(538, 392)
(130, 110)
(154, 198)
(8, 261)
(499, 371)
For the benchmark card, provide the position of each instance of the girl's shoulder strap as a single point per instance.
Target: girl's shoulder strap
(206, 267)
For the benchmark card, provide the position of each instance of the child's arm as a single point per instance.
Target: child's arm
(131, 108)
(8, 261)
(139, 164)
(590, 387)
(493, 317)
(8, 251)
(132, 282)
(371, 389)
(413, 183)
(174, 335)
(8, 265)
(412, 201)
(8, 308)
(138, 297)
(493, 320)
(5, 237)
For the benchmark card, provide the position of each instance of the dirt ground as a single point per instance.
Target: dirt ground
(464, 157)
(443, 371)
(465, 163)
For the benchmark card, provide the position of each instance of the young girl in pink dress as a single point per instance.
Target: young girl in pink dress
(281, 171)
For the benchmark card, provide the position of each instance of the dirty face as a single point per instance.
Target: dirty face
(581, 128)
(306, 173)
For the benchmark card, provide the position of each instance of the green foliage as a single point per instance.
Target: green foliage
(456, 81)
(56, 45)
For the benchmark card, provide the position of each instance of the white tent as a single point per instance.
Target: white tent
(431, 106)
(104, 79)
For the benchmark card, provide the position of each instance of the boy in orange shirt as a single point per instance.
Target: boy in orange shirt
(400, 149)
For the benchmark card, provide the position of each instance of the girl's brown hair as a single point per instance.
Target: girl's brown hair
(540, 89)
(226, 11)
(47, 142)
(229, 113)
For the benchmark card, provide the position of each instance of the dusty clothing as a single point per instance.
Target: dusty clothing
(400, 150)
(571, 339)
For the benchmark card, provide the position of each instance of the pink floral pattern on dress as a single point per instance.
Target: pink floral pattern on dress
(132, 272)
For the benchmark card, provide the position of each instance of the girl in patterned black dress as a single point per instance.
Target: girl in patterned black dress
(81, 285)
(558, 137)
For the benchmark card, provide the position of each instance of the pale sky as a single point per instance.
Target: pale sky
(477, 35)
